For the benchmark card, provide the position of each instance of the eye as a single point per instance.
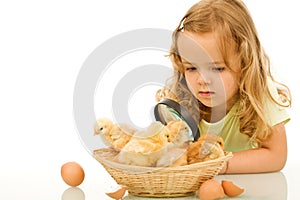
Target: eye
(101, 128)
(190, 68)
(218, 69)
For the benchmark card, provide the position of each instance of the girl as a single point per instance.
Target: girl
(222, 77)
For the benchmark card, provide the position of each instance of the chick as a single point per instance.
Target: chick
(207, 147)
(146, 146)
(178, 139)
(178, 134)
(115, 135)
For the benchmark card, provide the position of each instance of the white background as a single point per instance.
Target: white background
(43, 45)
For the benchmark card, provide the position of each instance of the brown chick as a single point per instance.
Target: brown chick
(207, 147)
(115, 135)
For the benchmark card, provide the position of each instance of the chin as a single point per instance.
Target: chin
(210, 104)
(206, 102)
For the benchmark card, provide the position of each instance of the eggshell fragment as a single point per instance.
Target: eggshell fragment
(231, 189)
(72, 174)
(211, 190)
(118, 194)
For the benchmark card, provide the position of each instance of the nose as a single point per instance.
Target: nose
(203, 78)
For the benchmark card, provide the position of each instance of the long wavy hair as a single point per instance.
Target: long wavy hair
(232, 22)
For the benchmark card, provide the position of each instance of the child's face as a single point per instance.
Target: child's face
(208, 78)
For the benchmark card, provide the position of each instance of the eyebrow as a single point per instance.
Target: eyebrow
(217, 62)
(208, 63)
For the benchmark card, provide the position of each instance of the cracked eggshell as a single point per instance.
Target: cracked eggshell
(118, 194)
(231, 189)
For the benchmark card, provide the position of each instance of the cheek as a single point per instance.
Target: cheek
(231, 85)
(188, 78)
(190, 81)
(225, 84)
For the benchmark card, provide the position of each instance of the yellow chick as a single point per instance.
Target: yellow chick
(115, 135)
(207, 147)
(178, 139)
(178, 133)
(146, 146)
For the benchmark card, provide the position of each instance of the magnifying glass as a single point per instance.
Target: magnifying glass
(167, 110)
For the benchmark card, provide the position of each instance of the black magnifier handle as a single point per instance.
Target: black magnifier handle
(184, 114)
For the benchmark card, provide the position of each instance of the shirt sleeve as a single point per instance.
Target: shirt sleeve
(275, 113)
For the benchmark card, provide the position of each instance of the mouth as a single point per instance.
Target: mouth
(206, 93)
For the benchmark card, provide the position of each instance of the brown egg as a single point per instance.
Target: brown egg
(231, 189)
(211, 190)
(118, 194)
(72, 174)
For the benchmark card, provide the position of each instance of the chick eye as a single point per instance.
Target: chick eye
(101, 128)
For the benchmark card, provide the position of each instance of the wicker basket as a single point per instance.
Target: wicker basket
(160, 182)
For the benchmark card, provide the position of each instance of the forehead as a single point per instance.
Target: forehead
(198, 48)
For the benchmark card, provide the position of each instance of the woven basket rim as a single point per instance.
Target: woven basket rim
(137, 169)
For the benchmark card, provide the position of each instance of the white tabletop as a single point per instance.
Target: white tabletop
(266, 186)
(48, 184)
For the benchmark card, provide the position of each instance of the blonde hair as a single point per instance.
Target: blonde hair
(231, 20)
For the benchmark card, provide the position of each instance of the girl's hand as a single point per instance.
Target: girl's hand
(224, 169)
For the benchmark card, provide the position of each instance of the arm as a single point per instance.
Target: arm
(270, 157)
